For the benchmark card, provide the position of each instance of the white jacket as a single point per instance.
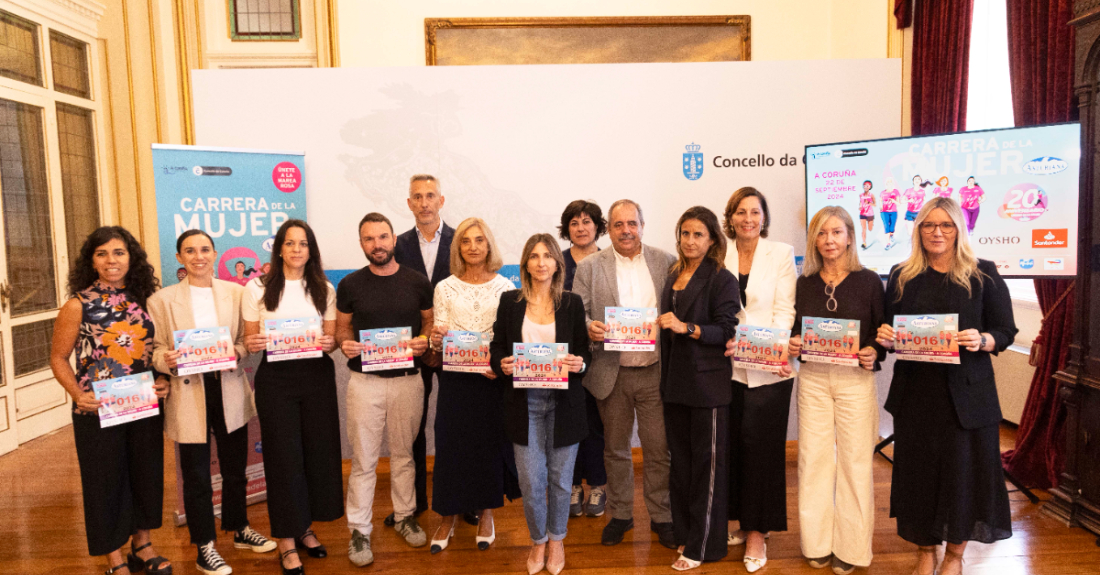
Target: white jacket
(769, 298)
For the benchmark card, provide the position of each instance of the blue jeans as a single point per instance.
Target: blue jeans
(542, 468)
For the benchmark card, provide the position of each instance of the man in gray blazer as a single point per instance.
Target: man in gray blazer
(628, 383)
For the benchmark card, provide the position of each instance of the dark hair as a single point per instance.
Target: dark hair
(717, 251)
(869, 182)
(376, 218)
(189, 233)
(976, 184)
(731, 207)
(141, 281)
(576, 208)
(275, 279)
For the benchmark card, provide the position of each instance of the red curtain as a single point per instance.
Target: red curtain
(941, 59)
(1041, 59)
(903, 13)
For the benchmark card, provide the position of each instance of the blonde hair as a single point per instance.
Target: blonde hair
(557, 282)
(964, 267)
(814, 261)
(493, 262)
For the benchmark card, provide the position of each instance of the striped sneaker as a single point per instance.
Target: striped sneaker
(210, 562)
(248, 539)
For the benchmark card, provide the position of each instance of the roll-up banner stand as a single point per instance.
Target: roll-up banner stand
(240, 197)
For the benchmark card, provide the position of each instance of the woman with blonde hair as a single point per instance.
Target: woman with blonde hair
(837, 404)
(948, 484)
(470, 446)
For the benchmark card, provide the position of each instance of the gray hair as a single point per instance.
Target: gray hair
(425, 178)
(618, 203)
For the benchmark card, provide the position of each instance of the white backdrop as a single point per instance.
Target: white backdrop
(514, 144)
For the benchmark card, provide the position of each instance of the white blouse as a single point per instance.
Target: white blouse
(465, 306)
(294, 302)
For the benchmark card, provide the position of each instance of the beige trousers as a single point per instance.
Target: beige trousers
(837, 432)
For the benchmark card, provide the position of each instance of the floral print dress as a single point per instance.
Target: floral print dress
(116, 335)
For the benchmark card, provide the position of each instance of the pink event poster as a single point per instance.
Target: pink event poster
(630, 329)
(293, 338)
(386, 348)
(466, 351)
(204, 350)
(540, 365)
(761, 348)
(932, 338)
(829, 340)
(125, 399)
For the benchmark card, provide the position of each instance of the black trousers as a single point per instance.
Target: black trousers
(589, 466)
(758, 455)
(300, 429)
(232, 453)
(122, 479)
(420, 444)
(698, 478)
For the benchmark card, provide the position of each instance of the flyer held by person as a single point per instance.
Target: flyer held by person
(540, 365)
(466, 351)
(203, 350)
(293, 338)
(125, 399)
(829, 340)
(630, 328)
(761, 348)
(930, 338)
(386, 348)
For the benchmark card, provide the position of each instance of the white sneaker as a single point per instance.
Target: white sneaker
(576, 501)
(211, 562)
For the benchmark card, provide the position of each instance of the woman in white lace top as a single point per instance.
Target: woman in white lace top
(471, 450)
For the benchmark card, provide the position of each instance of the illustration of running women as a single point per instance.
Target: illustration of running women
(889, 210)
(914, 196)
(866, 211)
(971, 197)
(943, 188)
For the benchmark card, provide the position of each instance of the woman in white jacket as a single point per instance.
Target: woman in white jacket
(761, 400)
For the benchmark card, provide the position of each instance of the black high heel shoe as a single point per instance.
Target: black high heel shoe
(318, 552)
(299, 570)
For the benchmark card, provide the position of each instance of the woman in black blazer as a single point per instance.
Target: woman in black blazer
(699, 314)
(948, 484)
(545, 425)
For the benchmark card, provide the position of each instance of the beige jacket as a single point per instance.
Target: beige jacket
(185, 407)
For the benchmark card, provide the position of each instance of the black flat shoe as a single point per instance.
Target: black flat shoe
(299, 570)
(152, 565)
(615, 530)
(318, 552)
(664, 533)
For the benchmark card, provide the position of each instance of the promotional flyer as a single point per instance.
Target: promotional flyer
(761, 348)
(828, 340)
(929, 338)
(540, 365)
(1017, 188)
(204, 350)
(386, 348)
(630, 328)
(466, 351)
(293, 338)
(125, 399)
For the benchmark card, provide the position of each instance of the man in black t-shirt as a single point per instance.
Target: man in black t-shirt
(382, 295)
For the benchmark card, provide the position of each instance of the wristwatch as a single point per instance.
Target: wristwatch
(691, 329)
(982, 345)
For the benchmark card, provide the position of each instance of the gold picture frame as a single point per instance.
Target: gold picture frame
(586, 40)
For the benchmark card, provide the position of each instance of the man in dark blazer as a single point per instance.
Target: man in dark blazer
(427, 246)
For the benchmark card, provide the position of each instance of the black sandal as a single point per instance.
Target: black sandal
(318, 552)
(299, 570)
(116, 569)
(151, 565)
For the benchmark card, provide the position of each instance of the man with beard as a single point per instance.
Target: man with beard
(384, 294)
(628, 383)
(425, 248)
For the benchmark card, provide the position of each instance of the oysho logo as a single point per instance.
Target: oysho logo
(999, 240)
(1044, 238)
(201, 335)
(762, 334)
(631, 314)
(385, 334)
(830, 325)
(1054, 264)
(924, 322)
(467, 338)
(1046, 165)
(1027, 263)
(291, 324)
(693, 161)
(539, 351)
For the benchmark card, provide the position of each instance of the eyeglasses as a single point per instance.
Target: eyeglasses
(947, 228)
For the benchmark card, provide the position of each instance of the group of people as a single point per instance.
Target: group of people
(713, 437)
(971, 197)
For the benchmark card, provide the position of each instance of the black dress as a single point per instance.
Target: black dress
(948, 484)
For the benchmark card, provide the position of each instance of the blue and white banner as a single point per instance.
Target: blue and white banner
(239, 197)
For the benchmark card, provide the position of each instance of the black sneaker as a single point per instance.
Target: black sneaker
(248, 539)
(210, 562)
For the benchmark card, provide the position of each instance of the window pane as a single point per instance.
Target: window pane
(19, 58)
(31, 346)
(78, 175)
(70, 65)
(265, 19)
(26, 197)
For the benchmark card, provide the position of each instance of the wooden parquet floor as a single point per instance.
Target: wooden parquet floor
(42, 531)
